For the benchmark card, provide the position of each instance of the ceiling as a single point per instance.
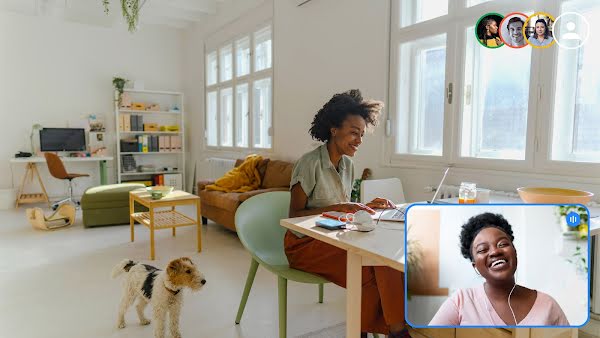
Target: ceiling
(172, 13)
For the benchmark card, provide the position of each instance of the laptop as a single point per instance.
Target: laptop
(397, 215)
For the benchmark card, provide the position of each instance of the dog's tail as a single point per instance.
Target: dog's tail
(124, 266)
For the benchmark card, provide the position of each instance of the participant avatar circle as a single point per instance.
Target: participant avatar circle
(511, 30)
(487, 30)
(571, 30)
(538, 30)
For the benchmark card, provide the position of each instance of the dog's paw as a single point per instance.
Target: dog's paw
(121, 325)
(145, 321)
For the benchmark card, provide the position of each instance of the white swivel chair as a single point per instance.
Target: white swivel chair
(390, 188)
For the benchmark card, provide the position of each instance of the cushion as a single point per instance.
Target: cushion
(223, 200)
(278, 174)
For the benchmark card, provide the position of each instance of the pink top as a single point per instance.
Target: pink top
(472, 307)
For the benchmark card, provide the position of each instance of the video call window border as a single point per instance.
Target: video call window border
(410, 226)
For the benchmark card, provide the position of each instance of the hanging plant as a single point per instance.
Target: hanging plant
(130, 10)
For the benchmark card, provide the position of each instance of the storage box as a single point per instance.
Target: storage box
(150, 126)
(153, 107)
(129, 145)
(138, 106)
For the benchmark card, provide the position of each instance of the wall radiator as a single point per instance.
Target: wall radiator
(217, 167)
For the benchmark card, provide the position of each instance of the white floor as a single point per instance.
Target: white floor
(57, 284)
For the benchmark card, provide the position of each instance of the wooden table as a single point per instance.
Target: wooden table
(163, 219)
(382, 246)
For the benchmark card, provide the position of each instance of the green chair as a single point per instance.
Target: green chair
(257, 224)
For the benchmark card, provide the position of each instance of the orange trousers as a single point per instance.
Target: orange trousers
(382, 302)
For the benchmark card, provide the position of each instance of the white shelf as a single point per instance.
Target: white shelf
(150, 173)
(150, 112)
(143, 91)
(152, 153)
(151, 132)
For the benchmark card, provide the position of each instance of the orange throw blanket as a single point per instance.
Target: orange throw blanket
(240, 179)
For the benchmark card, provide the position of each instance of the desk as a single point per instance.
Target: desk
(32, 167)
(382, 246)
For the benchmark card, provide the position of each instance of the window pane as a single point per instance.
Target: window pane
(475, 2)
(211, 68)
(211, 118)
(415, 11)
(421, 96)
(262, 49)
(241, 115)
(242, 56)
(226, 63)
(226, 116)
(261, 123)
(576, 135)
(495, 101)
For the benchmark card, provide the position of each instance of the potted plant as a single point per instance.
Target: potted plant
(119, 84)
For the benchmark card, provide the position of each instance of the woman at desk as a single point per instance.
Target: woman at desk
(487, 241)
(322, 181)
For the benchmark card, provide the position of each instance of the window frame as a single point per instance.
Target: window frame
(539, 133)
(248, 79)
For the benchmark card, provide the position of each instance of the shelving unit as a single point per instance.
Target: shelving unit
(167, 101)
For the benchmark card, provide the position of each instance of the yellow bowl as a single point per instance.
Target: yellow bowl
(553, 195)
(158, 192)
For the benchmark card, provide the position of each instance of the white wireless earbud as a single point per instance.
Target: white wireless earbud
(363, 221)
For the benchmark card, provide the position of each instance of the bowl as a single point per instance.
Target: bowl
(554, 195)
(158, 192)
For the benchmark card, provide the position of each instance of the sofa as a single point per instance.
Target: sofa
(221, 207)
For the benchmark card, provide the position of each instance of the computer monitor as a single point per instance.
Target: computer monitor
(62, 139)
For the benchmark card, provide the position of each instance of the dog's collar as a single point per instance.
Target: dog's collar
(173, 292)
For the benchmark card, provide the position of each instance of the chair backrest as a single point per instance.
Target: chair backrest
(257, 225)
(56, 166)
(390, 188)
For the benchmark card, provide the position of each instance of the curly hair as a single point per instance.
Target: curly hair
(477, 223)
(338, 108)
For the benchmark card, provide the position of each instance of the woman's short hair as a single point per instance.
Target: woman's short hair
(338, 108)
(477, 223)
(546, 32)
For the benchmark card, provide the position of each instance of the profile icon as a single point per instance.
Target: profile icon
(487, 31)
(571, 30)
(538, 30)
(511, 30)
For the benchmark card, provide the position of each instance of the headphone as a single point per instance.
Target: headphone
(508, 300)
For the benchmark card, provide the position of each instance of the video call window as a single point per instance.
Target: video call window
(497, 265)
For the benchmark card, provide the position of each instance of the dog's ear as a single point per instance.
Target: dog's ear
(187, 259)
(174, 267)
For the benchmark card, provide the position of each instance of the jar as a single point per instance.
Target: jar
(467, 193)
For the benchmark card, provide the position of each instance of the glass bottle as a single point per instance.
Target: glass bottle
(467, 193)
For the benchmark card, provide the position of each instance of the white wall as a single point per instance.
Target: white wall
(56, 73)
(322, 48)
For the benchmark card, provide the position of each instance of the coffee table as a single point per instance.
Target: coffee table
(163, 219)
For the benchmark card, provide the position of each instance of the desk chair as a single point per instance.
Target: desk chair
(257, 224)
(390, 188)
(57, 169)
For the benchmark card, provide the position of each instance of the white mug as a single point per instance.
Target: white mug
(362, 220)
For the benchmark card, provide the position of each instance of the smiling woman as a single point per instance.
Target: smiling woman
(487, 241)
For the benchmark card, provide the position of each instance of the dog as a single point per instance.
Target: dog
(160, 288)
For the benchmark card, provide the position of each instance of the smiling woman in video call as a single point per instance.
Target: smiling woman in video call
(322, 181)
(487, 241)
(541, 34)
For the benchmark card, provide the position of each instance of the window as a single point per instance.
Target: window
(454, 101)
(576, 132)
(239, 102)
(495, 104)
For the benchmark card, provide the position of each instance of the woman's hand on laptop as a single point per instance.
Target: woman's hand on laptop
(381, 203)
(352, 207)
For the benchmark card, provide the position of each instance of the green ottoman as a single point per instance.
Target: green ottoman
(107, 204)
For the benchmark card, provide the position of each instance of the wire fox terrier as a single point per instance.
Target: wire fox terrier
(160, 288)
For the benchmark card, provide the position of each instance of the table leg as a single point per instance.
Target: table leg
(199, 222)
(173, 209)
(131, 221)
(353, 294)
(102, 172)
(151, 233)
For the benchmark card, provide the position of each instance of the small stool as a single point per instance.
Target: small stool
(107, 204)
